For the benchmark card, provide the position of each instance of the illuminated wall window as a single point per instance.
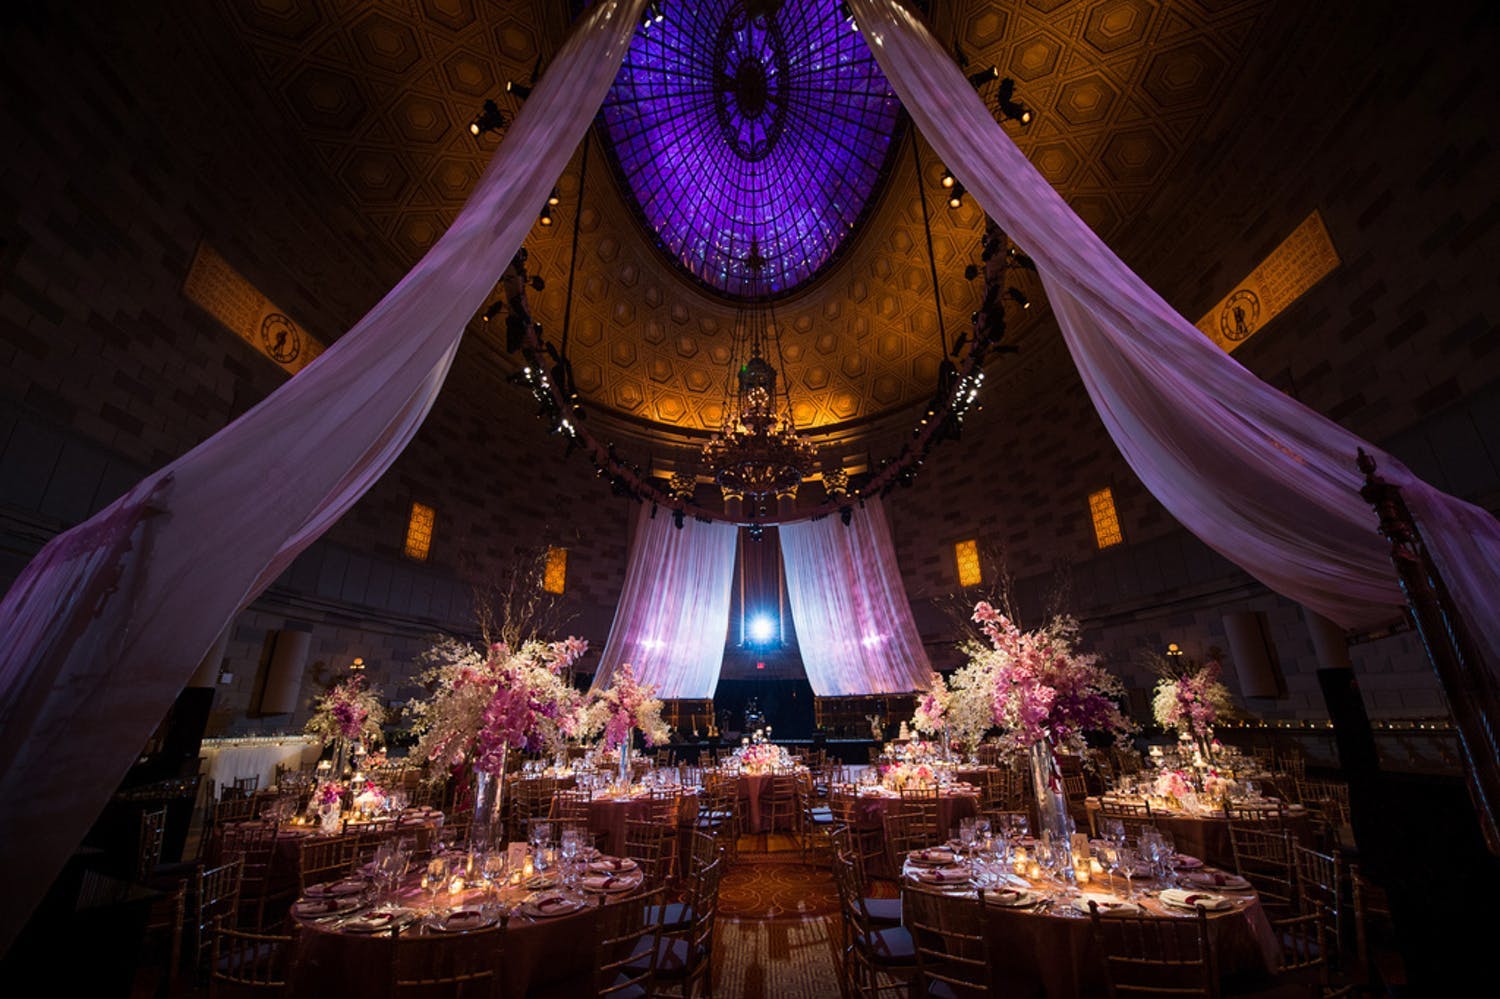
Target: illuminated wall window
(967, 554)
(419, 532)
(1106, 521)
(555, 575)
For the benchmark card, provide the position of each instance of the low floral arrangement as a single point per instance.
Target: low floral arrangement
(629, 704)
(903, 775)
(485, 702)
(1193, 792)
(1042, 688)
(348, 710)
(372, 798)
(1191, 704)
(761, 757)
(330, 793)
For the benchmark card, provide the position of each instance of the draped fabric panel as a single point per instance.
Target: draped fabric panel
(1262, 479)
(107, 623)
(854, 624)
(673, 616)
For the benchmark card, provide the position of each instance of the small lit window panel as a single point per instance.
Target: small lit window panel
(419, 532)
(1106, 521)
(555, 575)
(967, 554)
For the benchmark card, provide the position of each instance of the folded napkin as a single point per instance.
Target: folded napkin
(1108, 905)
(336, 889)
(944, 876)
(1009, 897)
(1217, 879)
(553, 905)
(608, 864)
(1186, 863)
(370, 922)
(464, 919)
(1196, 900)
(320, 906)
(935, 855)
(607, 882)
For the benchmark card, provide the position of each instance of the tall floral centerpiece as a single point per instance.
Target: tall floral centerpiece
(931, 717)
(349, 713)
(1191, 704)
(1046, 694)
(627, 705)
(485, 703)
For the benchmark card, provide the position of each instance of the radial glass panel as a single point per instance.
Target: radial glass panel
(730, 125)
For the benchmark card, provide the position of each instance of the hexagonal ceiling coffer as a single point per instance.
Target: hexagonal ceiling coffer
(1135, 156)
(326, 99)
(1057, 161)
(451, 14)
(1112, 26)
(670, 407)
(588, 376)
(516, 41)
(986, 28)
(1087, 100)
(1033, 57)
(455, 178)
(385, 42)
(376, 174)
(425, 119)
(622, 351)
(1184, 75)
(470, 73)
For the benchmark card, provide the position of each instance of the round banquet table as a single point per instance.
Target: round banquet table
(286, 862)
(1207, 836)
(1048, 950)
(540, 953)
(753, 790)
(607, 818)
(872, 805)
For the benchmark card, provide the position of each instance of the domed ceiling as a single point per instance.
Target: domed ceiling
(731, 125)
(1129, 95)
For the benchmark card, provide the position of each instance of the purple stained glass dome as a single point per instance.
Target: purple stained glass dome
(729, 125)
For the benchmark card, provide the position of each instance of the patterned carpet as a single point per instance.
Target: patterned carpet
(776, 959)
(767, 886)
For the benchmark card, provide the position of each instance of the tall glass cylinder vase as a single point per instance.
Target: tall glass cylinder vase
(947, 746)
(340, 757)
(489, 800)
(625, 778)
(1053, 820)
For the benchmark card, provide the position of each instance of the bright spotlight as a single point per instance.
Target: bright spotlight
(761, 629)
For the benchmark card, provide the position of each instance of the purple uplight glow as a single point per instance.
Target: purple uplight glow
(728, 128)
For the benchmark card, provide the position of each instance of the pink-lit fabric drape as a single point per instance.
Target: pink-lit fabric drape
(673, 616)
(107, 623)
(1262, 479)
(854, 625)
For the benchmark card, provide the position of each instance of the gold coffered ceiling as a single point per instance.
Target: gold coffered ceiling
(382, 94)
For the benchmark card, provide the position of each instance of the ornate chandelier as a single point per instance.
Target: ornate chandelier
(757, 453)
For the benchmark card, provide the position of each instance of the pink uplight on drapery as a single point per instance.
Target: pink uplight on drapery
(107, 623)
(673, 616)
(854, 624)
(1265, 481)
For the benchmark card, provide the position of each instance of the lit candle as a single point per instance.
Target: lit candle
(1095, 868)
(456, 887)
(1081, 872)
(529, 868)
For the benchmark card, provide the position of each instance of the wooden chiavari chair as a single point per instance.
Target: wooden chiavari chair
(246, 963)
(1263, 856)
(646, 844)
(216, 896)
(876, 958)
(948, 936)
(905, 832)
(627, 947)
(719, 811)
(1156, 956)
(922, 803)
(779, 807)
(149, 843)
(321, 860)
(684, 963)
(816, 820)
(1135, 816)
(461, 965)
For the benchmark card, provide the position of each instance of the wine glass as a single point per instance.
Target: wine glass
(1130, 866)
(966, 835)
(435, 879)
(569, 851)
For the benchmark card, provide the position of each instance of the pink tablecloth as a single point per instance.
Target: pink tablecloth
(1207, 836)
(870, 811)
(607, 818)
(754, 790)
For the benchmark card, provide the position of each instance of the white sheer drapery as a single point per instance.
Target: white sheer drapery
(853, 618)
(1260, 478)
(107, 623)
(673, 616)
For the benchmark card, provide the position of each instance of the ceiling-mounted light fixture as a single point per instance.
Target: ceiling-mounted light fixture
(948, 180)
(520, 91)
(956, 196)
(652, 15)
(1008, 106)
(489, 119)
(1015, 295)
(979, 79)
(847, 15)
(554, 199)
(546, 216)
